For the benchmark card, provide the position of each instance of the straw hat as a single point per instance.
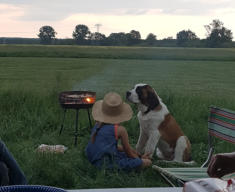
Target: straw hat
(111, 109)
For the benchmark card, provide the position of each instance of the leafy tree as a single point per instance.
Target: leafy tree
(46, 34)
(218, 35)
(133, 37)
(184, 37)
(117, 39)
(168, 38)
(97, 38)
(81, 33)
(150, 39)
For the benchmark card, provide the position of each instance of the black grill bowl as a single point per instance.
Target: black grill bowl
(76, 99)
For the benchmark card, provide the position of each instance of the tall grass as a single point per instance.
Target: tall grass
(29, 119)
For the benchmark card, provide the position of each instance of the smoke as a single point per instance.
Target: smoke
(115, 77)
(100, 83)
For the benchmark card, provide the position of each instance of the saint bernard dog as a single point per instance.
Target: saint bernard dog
(158, 128)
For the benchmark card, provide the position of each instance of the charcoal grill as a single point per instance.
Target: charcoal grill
(76, 100)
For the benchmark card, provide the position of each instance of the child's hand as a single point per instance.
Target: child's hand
(146, 155)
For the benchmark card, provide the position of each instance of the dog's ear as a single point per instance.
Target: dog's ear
(141, 94)
(151, 100)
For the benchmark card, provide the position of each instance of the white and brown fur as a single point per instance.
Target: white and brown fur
(158, 128)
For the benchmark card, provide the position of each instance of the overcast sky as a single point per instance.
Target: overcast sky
(23, 18)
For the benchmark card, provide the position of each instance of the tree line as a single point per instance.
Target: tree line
(217, 36)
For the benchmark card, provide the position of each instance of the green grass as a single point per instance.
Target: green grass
(31, 77)
(183, 77)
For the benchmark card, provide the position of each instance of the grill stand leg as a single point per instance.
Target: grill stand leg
(76, 128)
(89, 118)
(62, 125)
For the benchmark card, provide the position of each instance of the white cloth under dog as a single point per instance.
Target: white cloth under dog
(52, 148)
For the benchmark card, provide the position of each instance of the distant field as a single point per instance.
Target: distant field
(188, 81)
(140, 53)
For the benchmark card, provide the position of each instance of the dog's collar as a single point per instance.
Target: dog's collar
(145, 113)
(158, 108)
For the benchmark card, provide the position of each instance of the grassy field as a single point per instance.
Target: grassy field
(31, 77)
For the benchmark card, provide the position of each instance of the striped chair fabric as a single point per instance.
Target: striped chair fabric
(221, 124)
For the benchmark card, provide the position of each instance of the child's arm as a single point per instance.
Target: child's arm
(123, 135)
(120, 148)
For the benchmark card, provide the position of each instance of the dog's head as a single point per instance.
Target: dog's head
(143, 94)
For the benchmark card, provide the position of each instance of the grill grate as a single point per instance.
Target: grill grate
(77, 99)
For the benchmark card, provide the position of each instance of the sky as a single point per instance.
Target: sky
(164, 18)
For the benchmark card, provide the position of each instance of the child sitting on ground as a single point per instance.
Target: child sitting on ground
(103, 150)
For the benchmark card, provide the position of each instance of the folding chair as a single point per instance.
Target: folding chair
(221, 124)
